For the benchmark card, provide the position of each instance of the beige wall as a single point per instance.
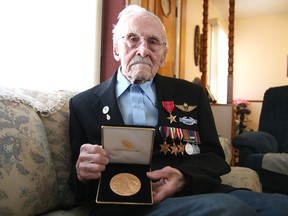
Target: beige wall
(261, 49)
(194, 17)
(260, 58)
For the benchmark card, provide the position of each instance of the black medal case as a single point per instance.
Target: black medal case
(124, 180)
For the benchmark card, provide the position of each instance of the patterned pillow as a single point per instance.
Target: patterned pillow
(27, 176)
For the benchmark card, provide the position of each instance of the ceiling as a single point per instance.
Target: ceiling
(253, 8)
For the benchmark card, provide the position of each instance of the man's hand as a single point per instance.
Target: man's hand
(166, 182)
(91, 162)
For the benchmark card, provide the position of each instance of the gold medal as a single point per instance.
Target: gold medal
(125, 184)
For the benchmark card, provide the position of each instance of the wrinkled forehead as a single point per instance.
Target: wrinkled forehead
(144, 26)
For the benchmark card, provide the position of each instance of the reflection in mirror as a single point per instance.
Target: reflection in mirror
(220, 50)
(218, 55)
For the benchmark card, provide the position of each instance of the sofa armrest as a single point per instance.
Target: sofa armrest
(258, 142)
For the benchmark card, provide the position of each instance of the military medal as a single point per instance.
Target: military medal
(188, 147)
(125, 184)
(169, 107)
(181, 147)
(194, 137)
(164, 133)
(173, 135)
(191, 138)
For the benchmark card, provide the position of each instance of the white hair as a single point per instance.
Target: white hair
(129, 12)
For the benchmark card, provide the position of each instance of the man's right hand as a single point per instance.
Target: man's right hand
(91, 162)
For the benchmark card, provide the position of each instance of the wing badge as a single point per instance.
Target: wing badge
(185, 107)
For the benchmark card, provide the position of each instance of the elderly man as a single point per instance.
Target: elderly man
(187, 159)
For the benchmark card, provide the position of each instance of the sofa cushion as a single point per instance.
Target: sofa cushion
(27, 176)
(57, 130)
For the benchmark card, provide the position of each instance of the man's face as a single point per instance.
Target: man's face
(142, 50)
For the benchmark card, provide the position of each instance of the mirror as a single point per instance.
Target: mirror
(217, 71)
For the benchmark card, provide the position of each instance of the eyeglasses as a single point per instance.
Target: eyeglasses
(133, 40)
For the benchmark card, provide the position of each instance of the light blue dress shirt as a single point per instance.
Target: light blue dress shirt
(124, 100)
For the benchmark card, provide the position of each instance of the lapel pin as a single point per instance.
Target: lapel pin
(105, 110)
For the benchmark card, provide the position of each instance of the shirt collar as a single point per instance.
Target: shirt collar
(149, 89)
(122, 84)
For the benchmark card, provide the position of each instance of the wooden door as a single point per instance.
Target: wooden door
(168, 16)
(166, 10)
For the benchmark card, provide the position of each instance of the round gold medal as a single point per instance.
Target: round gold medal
(125, 184)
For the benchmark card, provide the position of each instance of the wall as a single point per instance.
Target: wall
(194, 13)
(194, 17)
(261, 49)
(260, 58)
(110, 13)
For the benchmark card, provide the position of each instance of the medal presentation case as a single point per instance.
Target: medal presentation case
(124, 180)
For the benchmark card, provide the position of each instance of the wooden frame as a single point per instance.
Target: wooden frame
(204, 47)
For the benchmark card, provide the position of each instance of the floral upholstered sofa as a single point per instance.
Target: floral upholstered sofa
(35, 155)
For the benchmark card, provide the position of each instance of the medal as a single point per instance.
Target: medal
(174, 148)
(164, 133)
(189, 149)
(125, 184)
(169, 107)
(181, 147)
(194, 136)
(189, 136)
(196, 148)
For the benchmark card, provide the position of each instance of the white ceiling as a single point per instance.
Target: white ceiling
(250, 8)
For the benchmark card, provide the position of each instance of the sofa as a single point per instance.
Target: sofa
(35, 155)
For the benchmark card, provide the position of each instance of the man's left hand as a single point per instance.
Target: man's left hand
(166, 182)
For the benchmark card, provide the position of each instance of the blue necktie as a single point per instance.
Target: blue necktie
(137, 103)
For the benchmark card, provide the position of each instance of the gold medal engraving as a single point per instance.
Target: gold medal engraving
(125, 184)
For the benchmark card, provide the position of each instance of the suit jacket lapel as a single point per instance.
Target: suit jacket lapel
(164, 93)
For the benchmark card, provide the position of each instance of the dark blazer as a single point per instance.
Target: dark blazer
(204, 169)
